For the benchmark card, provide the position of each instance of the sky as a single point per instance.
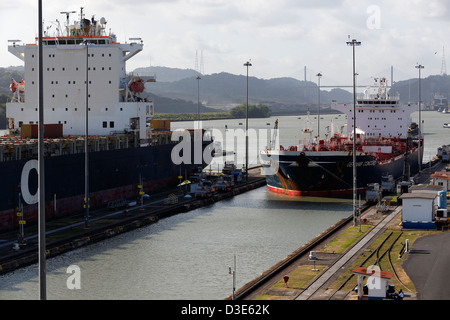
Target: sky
(280, 38)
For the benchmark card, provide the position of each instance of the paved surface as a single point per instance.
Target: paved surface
(428, 266)
(331, 271)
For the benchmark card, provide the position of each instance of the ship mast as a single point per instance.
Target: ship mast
(67, 13)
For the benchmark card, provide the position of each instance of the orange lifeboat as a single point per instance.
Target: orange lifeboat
(137, 86)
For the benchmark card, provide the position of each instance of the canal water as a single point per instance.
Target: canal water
(187, 256)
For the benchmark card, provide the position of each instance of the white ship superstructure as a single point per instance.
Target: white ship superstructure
(378, 115)
(83, 53)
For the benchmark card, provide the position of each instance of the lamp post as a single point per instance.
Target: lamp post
(319, 75)
(86, 142)
(41, 176)
(420, 67)
(354, 43)
(198, 98)
(247, 64)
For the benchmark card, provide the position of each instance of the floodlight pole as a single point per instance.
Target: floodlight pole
(198, 98)
(354, 43)
(41, 176)
(319, 75)
(420, 67)
(247, 64)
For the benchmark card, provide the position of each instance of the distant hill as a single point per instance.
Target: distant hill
(225, 90)
(409, 89)
(165, 74)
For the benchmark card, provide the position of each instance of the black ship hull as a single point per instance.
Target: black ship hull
(329, 174)
(114, 177)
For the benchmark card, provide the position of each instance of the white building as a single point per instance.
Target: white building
(377, 282)
(441, 178)
(418, 211)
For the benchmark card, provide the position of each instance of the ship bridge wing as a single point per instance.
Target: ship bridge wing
(133, 49)
(16, 50)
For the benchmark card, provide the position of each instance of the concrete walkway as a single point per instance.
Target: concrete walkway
(333, 269)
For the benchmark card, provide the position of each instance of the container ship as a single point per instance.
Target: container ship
(384, 147)
(84, 72)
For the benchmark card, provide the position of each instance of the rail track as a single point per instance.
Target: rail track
(378, 259)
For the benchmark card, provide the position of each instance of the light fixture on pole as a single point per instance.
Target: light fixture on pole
(319, 75)
(420, 67)
(41, 175)
(247, 64)
(86, 142)
(354, 43)
(198, 98)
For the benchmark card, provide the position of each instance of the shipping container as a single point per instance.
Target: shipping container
(51, 130)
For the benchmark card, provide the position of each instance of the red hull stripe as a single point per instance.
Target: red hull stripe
(317, 193)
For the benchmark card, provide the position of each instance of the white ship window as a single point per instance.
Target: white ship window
(105, 124)
(106, 109)
(32, 55)
(121, 109)
(110, 54)
(76, 109)
(53, 95)
(76, 69)
(32, 69)
(109, 81)
(53, 109)
(67, 109)
(111, 124)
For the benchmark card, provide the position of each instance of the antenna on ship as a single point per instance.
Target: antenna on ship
(67, 13)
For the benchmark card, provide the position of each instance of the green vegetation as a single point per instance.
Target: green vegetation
(192, 116)
(239, 112)
(254, 111)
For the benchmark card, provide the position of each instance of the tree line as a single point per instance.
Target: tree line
(254, 111)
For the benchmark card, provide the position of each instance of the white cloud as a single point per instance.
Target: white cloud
(281, 37)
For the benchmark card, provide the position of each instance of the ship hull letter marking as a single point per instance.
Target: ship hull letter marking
(27, 196)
